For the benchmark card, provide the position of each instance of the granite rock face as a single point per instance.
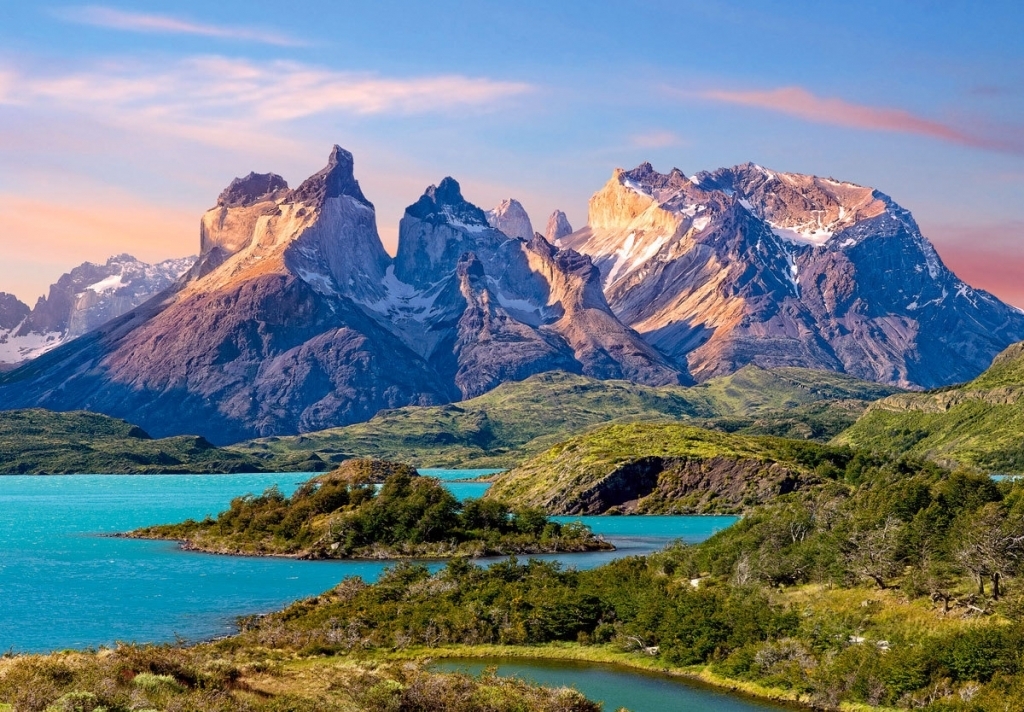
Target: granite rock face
(746, 265)
(483, 307)
(558, 227)
(510, 217)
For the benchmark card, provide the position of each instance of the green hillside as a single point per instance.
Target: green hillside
(979, 424)
(660, 468)
(515, 420)
(44, 442)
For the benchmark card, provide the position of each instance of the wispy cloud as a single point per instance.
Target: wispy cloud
(220, 101)
(110, 18)
(803, 104)
(655, 139)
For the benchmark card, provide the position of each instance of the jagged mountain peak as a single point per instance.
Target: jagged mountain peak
(253, 188)
(511, 218)
(558, 226)
(12, 311)
(335, 180)
(651, 181)
(443, 203)
(751, 265)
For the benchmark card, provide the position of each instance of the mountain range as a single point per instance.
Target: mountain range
(294, 318)
(747, 265)
(78, 302)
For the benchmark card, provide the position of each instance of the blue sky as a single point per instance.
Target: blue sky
(121, 122)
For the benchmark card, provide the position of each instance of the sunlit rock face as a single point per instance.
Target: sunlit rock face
(747, 265)
(558, 227)
(518, 306)
(510, 217)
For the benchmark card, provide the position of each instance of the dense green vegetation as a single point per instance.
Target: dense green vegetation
(665, 468)
(515, 420)
(344, 514)
(897, 583)
(39, 441)
(978, 424)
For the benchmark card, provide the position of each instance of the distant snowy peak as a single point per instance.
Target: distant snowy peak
(510, 217)
(558, 227)
(84, 299)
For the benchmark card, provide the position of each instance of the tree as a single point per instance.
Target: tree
(873, 553)
(989, 545)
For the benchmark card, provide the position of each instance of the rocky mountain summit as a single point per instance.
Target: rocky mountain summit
(83, 299)
(558, 227)
(510, 217)
(747, 265)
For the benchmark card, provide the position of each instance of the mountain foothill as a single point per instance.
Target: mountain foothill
(293, 318)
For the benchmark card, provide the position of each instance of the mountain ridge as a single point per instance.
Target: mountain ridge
(295, 319)
(748, 265)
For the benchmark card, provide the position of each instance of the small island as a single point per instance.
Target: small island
(373, 509)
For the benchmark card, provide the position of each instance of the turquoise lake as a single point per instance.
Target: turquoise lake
(62, 585)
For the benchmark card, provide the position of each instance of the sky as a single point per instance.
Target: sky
(121, 122)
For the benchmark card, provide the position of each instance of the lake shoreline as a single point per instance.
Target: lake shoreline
(698, 676)
(387, 555)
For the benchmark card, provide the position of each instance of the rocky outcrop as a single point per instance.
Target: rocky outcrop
(654, 485)
(12, 311)
(558, 227)
(510, 217)
(747, 265)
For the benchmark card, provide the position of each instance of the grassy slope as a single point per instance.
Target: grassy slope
(43, 442)
(516, 420)
(566, 471)
(978, 424)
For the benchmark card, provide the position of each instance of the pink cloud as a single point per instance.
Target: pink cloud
(803, 104)
(106, 17)
(655, 139)
(990, 257)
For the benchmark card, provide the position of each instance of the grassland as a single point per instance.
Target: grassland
(45, 442)
(516, 420)
(978, 424)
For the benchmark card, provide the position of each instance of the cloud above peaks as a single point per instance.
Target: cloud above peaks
(804, 104)
(656, 139)
(223, 101)
(113, 19)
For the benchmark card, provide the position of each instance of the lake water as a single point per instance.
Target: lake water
(616, 687)
(62, 586)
